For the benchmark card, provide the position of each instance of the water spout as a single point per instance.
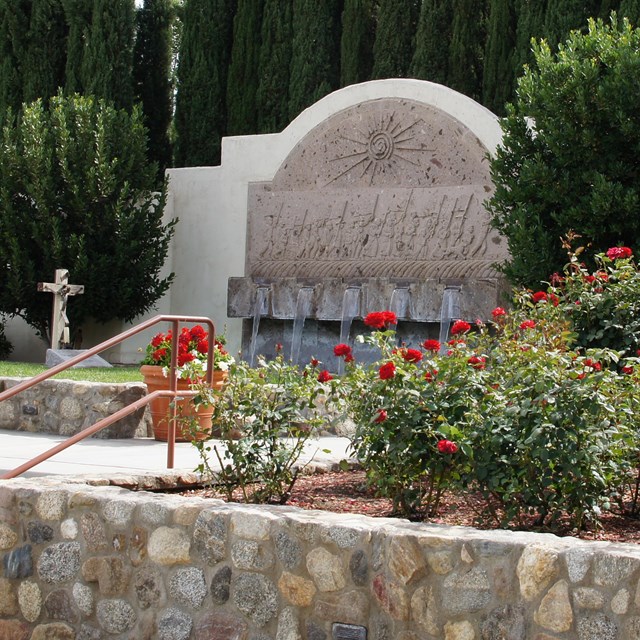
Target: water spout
(303, 310)
(350, 309)
(261, 308)
(400, 303)
(449, 311)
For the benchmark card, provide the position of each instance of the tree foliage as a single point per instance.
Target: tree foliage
(152, 77)
(242, 83)
(395, 37)
(108, 59)
(76, 193)
(433, 39)
(564, 15)
(315, 52)
(466, 52)
(356, 45)
(14, 25)
(43, 62)
(529, 25)
(568, 159)
(78, 16)
(498, 76)
(274, 62)
(630, 9)
(205, 52)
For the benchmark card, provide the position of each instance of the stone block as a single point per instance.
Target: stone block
(168, 546)
(256, 596)
(537, 566)
(405, 560)
(221, 585)
(325, 569)
(391, 597)
(174, 624)
(18, 563)
(187, 586)
(8, 598)
(220, 626)
(55, 357)
(53, 631)
(14, 630)
(59, 562)
(115, 616)
(351, 607)
(554, 612)
(297, 590)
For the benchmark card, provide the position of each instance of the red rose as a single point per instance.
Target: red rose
(616, 253)
(184, 357)
(380, 319)
(429, 376)
(203, 345)
(158, 354)
(554, 299)
(527, 324)
(342, 350)
(539, 296)
(387, 371)
(627, 369)
(477, 362)
(315, 362)
(411, 355)
(498, 312)
(349, 358)
(593, 364)
(324, 376)
(382, 416)
(431, 345)
(460, 326)
(446, 446)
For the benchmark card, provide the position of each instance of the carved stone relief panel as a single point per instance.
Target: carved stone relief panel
(386, 188)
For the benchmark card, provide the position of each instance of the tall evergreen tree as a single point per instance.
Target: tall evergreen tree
(205, 52)
(530, 15)
(152, 76)
(630, 9)
(107, 66)
(315, 55)
(467, 47)
(242, 82)
(14, 25)
(498, 76)
(45, 53)
(274, 63)
(356, 44)
(606, 7)
(78, 17)
(433, 40)
(564, 15)
(395, 37)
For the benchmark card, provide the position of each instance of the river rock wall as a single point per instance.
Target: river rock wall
(82, 562)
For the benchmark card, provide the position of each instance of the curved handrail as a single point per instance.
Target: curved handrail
(105, 422)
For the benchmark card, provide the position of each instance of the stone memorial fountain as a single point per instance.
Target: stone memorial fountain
(378, 207)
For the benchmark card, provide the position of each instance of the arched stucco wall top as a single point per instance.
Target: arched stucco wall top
(472, 115)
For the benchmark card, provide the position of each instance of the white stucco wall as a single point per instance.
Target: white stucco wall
(211, 202)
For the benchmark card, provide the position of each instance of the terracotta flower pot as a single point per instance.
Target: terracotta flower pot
(161, 411)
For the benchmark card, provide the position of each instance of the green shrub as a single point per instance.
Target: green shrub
(568, 157)
(263, 417)
(5, 344)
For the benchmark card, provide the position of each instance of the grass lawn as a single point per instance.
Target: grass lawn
(91, 374)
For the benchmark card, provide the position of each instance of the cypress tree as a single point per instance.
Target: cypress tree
(107, 66)
(630, 9)
(433, 40)
(467, 44)
(274, 64)
(45, 52)
(14, 23)
(315, 52)
(205, 52)
(606, 7)
(242, 82)
(152, 76)
(498, 77)
(395, 36)
(564, 15)
(78, 17)
(356, 44)
(529, 24)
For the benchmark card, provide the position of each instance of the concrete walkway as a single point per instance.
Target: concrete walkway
(139, 456)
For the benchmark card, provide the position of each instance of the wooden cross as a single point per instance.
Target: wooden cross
(61, 290)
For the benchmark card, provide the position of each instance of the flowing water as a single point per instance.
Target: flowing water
(261, 309)
(449, 311)
(350, 309)
(303, 310)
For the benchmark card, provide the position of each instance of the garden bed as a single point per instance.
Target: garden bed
(347, 492)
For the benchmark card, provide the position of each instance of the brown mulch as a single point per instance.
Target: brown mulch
(347, 492)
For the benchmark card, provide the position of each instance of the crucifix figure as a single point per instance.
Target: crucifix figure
(61, 290)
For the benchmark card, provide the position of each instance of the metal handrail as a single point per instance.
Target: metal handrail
(172, 392)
